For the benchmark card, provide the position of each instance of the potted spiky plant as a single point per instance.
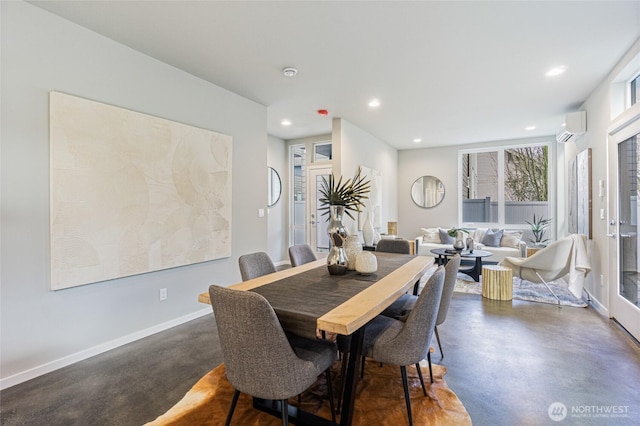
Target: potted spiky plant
(337, 198)
(539, 226)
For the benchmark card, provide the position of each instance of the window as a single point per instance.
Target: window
(634, 88)
(505, 186)
(322, 152)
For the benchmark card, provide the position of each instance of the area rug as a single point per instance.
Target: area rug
(380, 401)
(526, 290)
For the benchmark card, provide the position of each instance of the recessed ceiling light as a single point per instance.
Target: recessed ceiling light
(285, 122)
(417, 140)
(529, 128)
(556, 71)
(374, 103)
(289, 72)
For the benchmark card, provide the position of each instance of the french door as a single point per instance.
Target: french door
(318, 237)
(625, 294)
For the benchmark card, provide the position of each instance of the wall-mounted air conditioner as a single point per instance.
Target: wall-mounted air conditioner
(575, 126)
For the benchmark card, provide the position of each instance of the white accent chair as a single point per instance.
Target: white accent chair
(566, 257)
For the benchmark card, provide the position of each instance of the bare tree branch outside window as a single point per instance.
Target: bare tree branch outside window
(526, 174)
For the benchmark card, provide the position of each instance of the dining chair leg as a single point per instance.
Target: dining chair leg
(234, 401)
(424, 390)
(407, 397)
(285, 413)
(439, 345)
(430, 369)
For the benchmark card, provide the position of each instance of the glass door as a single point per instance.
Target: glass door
(298, 213)
(318, 237)
(625, 306)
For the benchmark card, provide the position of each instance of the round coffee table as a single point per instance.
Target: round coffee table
(475, 271)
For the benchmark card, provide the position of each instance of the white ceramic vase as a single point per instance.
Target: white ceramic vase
(353, 248)
(368, 233)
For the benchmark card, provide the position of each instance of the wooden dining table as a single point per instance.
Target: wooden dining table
(307, 298)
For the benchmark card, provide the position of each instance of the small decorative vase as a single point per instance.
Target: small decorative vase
(368, 233)
(337, 260)
(458, 243)
(366, 263)
(353, 248)
(376, 236)
(470, 243)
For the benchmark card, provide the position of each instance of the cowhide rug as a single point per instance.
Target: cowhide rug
(380, 401)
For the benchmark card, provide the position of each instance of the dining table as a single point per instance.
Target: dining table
(307, 298)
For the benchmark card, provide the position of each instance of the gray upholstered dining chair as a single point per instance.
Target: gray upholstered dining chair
(255, 265)
(391, 341)
(394, 246)
(400, 308)
(300, 254)
(260, 358)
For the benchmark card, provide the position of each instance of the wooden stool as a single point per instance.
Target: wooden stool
(497, 282)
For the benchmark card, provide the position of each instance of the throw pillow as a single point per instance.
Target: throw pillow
(511, 239)
(430, 235)
(478, 235)
(445, 238)
(492, 237)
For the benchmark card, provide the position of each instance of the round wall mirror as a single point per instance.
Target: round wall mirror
(427, 191)
(275, 186)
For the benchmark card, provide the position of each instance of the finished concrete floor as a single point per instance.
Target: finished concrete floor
(506, 361)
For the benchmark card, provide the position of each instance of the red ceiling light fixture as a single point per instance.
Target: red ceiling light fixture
(323, 112)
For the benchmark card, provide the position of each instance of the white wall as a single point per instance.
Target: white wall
(277, 234)
(442, 162)
(599, 117)
(41, 329)
(353, 147)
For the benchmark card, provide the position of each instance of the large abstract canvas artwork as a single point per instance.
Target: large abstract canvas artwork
(132, 193)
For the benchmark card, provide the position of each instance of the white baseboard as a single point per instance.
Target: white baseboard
(40, 370)
(599, 307)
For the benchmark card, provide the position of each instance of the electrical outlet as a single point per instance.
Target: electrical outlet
(163, 294)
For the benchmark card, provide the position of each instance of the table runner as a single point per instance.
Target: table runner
(301, 299)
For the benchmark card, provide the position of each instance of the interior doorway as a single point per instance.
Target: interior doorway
(307, 225)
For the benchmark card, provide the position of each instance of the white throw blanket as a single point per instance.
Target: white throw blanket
(565, 257)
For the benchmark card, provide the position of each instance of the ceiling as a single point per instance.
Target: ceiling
(444, 72)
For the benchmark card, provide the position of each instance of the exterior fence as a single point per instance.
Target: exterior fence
(515, 212)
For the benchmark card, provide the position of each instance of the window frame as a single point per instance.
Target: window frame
(633, 89)
(500, 150)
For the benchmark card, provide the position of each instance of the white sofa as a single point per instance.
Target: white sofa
(510, 244)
